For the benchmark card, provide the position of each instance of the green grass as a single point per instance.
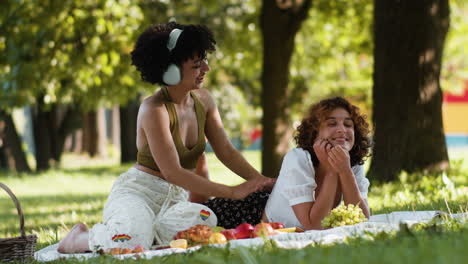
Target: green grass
(56, 199)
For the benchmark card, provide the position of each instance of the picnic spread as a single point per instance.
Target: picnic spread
(288, 238)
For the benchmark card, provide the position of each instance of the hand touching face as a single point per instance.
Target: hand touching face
(321, 148)
(338, 158)
(338, 128)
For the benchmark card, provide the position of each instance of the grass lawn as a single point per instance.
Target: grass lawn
(55, 200)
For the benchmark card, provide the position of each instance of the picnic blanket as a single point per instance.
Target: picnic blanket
(376, 224)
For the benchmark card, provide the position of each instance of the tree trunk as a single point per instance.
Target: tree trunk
(128, 125)
(115, 127)
(3, 158)
(90, 133)
(102, 133)
(51, 125)
(279, 21)
(67, 121)
(77, 141)
(407, 111)
(43, 149)
(11, 142)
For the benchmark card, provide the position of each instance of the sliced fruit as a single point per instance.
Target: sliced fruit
(291, 230)
(217, 238)
(178, 243)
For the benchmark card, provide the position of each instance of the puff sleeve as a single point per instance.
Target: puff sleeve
(297, 175)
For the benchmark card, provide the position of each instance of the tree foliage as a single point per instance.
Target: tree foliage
(455, 69)
(333, 53)
(78, 52)
(67, 51)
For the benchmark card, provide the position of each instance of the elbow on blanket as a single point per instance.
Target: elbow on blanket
(313, 225)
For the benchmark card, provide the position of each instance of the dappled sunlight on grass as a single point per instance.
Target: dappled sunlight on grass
(51, 212)
(425, 193)
(53, 201)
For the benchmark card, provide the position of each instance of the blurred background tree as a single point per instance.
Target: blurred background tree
(407, 97)
(66, 60)
(63, 59)
(455, 58)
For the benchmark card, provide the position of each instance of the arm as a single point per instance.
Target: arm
(202, 171)
(223, 148)
(339, 159)
(351, 192)
(310, 214)
(155, 124)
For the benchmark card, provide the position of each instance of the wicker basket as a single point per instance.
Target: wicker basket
(17, 248)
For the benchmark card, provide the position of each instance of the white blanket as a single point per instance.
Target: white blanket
(376, 224)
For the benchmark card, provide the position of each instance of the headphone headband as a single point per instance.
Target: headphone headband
(173, 37)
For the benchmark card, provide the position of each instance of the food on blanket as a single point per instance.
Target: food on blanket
(244, 231)
(277, 225)
(195, 235)
(263, 230)
(344, 215)
(138, 249)
(120, 251)
(178, 243)
(125, 251)
(114, 251)
(217, 229)
(291, 230)
(217, 238)
(230, 234)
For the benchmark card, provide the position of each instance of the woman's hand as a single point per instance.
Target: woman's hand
(339, 160)
(267, 183)
(244, 189)
(321, 149)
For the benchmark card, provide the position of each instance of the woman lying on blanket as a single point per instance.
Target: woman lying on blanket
(149, 202)
(325, 168)
(332, 141)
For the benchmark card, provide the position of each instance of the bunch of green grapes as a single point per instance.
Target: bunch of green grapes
(344, 215)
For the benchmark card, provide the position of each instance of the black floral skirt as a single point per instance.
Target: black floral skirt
(231, 213)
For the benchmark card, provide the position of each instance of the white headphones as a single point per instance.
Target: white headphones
(172, 75)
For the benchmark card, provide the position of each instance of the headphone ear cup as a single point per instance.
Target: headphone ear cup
(172, 76)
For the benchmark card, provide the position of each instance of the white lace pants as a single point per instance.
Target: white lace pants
(130, 216)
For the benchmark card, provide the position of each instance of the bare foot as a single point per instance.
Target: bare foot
(76, 241)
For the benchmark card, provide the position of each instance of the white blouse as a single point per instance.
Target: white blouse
(296, 184)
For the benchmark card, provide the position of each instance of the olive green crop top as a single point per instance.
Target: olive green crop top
(187, 157)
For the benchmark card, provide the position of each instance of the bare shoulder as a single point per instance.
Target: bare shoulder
(152, 106)
(205, 98)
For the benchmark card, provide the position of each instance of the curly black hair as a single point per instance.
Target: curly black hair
(152, 57)
(307, 131)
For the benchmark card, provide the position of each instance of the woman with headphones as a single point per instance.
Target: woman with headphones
(146, 201)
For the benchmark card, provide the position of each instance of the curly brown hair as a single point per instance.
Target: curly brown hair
(152, 57)
(307, 131)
